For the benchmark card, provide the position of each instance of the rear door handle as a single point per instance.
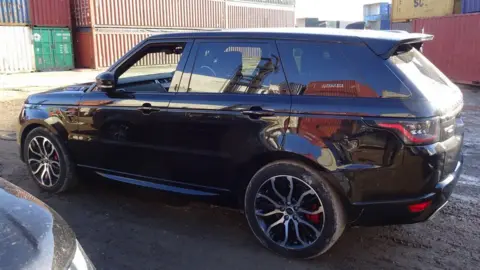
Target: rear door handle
(147, 108)
(258, 113)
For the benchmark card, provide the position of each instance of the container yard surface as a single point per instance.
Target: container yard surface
(53, 13)
(455, 49)
(14, 12)
(403, 10)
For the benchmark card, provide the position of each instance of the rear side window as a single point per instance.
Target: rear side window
(237, 67)
(338, 70)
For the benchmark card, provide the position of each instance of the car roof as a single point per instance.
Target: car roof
(381, 42)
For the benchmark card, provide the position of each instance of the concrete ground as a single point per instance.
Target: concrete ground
(127, 227)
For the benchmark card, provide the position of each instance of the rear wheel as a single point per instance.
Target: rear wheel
(293, 211)
(48, 161)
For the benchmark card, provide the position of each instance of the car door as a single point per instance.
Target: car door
(232, 105)
(122, 133)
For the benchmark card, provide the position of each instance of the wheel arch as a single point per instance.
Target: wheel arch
(56, 128)
(247, 170)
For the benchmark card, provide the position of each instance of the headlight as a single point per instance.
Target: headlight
(81, 260)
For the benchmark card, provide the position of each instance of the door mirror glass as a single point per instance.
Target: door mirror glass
(106, 81)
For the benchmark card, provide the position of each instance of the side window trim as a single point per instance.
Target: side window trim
(184, 85)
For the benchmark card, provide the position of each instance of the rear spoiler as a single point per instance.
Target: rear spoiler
(386, 49)
(416, 40)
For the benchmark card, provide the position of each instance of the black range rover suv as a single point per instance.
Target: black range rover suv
(311, 130)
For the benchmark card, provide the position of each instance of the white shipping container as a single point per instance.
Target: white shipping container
(16, 49)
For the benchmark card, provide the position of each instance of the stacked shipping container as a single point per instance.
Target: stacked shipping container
(455, 47)
(19, 20)
(377, 16)
(106, 29)
(16, 51)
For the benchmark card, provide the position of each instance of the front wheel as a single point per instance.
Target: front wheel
(293, 210)
(48, 161)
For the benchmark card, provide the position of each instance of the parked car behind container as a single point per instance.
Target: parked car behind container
(308, 129)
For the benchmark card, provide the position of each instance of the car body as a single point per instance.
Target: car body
(363, 110)
(34, 236)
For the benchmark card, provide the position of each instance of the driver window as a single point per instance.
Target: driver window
(237, 67)
(153, 69)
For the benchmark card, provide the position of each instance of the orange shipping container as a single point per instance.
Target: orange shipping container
(150, 13)
(101, 47)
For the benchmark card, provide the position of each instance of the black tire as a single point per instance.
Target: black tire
(67, 176)
(334, 216)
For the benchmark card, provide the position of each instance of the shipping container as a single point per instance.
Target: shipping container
(149, 13)
(101, 47)
(378, 25)
(470, 6)
(377, 11)
(307, 22)
(241, 15)
(53, 48)
(455, 49)
(404, 26)
(14, 12)
(51, 13)
(16, 52)
(271, 2)
(404, 10)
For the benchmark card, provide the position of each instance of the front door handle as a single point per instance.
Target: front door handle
(147, 108)
(257, 113)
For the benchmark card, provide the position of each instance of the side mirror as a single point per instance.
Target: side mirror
(106, 81)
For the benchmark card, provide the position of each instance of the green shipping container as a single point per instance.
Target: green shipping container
(53, 48)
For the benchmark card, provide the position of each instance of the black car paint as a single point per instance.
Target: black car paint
(32, 235)
(202, 144)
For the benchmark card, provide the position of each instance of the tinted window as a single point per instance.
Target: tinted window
(337, 70)
(224, 67)
(151, 69)
(420, 70)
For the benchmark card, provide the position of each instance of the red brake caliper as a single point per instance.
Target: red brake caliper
(315, 219)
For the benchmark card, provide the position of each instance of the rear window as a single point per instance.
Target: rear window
(338, 70)
(415, 66)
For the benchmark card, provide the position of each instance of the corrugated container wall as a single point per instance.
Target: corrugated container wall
(470, 6)
(102, 47)
(403, 10)
(14, 12)
(240, 16)
(53, 13)
(404, 26)
(16, 52)
(460, 61)
(150, 13)
(275, 2)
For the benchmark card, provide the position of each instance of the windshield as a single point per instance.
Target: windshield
(419, 69)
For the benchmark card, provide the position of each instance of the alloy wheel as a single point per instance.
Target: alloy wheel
(43, 161)
(289, 212)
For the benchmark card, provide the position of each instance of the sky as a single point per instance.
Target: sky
(334, 10)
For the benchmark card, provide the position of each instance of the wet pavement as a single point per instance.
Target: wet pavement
(127, 227)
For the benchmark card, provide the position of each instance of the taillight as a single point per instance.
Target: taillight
(414, 132)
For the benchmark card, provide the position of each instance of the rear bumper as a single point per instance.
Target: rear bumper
(397, 212)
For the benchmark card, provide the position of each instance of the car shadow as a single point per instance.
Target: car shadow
(122, 226)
